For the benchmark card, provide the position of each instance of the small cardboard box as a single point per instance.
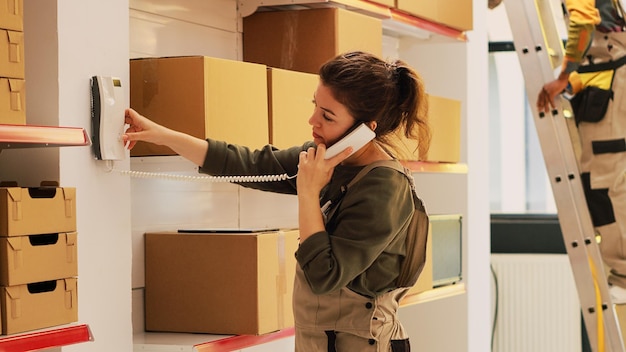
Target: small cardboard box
(220, 283)
(302, 40)
(201, 96)
(457, 14)
(444, 118)
(37, 210)
(11, 54)
(35, 258)
(39, 305)
(12, 15)
(445, 122)
(290, 95)
(12, 101)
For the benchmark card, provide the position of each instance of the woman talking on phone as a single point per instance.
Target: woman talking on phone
(352, 240)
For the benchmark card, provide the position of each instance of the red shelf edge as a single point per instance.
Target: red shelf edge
(427, 25)
(46, 339)
(36, 135)
(415, 21)
(234, 343)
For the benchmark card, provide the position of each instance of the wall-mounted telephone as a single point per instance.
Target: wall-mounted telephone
(107, 118)
(356, 137)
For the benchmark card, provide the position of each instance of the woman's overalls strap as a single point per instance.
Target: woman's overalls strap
(417, 233)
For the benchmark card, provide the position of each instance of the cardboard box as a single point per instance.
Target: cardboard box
(35, 258)
(39, 305)
(457, 14)
(203, 97)
(302, 40)
(290, 95)
(37, 210)
(219, 283)
(444, 118)
(12, 15)
(445, 121)
(12, 101)
(11, 54)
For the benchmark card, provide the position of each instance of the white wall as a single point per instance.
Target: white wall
(478, 220)
(93, 40)
(66, 43)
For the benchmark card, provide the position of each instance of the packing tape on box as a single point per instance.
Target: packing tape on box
(16, 247)
(69, 194)
(16, 87)
(14, 7)
(70, 244)
(13, 294)
(281, 279)
(16, 198)
(150, 76)
(290, 41)
(16, 40)
(70, 288)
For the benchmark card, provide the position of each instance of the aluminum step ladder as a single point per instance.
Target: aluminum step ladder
(540, 52)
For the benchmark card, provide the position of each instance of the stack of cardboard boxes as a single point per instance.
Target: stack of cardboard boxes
(38, 258)
(12, 77)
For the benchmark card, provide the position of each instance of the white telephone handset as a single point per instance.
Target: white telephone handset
(356, 139)
(107, 117)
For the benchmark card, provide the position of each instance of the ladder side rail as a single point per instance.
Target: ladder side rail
(538, 60)
(554, 47)
(533, 55)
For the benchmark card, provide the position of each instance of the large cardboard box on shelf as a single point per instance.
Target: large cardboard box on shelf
(12, 101)
(35, 258)
(11, 54)
(444, 118)
(38, 305)
(455, 14)
(219, 283)
(12, 14)
(290, 95)
(302, 40)
(37, 210)
(201, 96)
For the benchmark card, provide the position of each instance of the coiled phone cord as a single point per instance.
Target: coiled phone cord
(205, 178)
